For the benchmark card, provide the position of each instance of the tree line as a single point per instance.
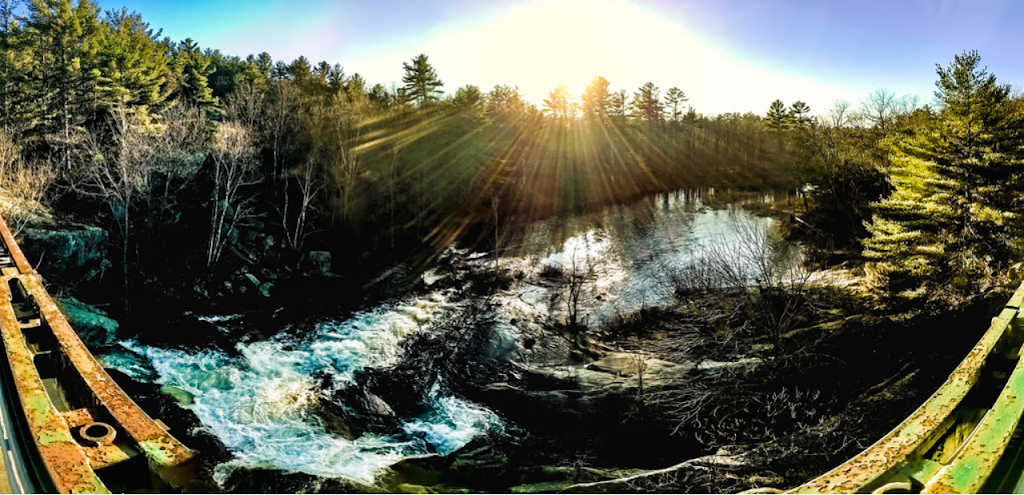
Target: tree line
(98, 107)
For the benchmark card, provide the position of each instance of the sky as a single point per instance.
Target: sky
(726, 55)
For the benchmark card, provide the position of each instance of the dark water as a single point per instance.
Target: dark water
(263, 400)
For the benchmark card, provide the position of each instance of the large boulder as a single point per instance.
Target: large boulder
(70, 253)
(92, 324)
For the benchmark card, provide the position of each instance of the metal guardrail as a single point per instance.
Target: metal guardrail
(72, 429)
(966, 438)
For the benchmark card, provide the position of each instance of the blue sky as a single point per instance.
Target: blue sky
(727, 55)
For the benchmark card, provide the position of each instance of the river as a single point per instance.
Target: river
(269, 401)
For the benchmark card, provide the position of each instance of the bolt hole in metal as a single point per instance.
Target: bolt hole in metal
(98, 433)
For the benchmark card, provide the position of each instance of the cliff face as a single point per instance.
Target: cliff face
(68, 254)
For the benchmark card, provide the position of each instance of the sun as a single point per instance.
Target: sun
(570, 42)
(538, 46)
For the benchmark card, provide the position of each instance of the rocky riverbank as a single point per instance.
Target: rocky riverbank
(712, 393)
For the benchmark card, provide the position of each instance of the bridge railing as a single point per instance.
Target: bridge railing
(81, 422)
(963, 439)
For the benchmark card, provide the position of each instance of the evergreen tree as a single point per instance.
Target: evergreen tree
(193, 68)
(800, 114)
(559, 104)
(264, 64)
(469, 101)
(66, 40)
(647, 105)
(280, 71)
(133, 64)
(674, 100)
(354, 86)
(505, 103)
(620, 104)
(596, 100)
(421, 82)
(336, 79)
(952, 216)
(12, 64)
(300, 71)
(778, 118)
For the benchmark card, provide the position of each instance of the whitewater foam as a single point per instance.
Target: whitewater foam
(261, 403)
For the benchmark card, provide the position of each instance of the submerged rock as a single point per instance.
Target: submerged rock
(182, 396)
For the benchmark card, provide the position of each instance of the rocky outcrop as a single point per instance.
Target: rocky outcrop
(69, 253)
(602, 388)
(91, 324)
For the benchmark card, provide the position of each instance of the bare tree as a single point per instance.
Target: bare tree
(247, 105)
(117, 170)
(880, 108)
(234, 161)
(580, 272)
(309, 182)
(182, 147)
(180, 151)
(27, 186)
(336, 132)
(760, 263)
(839, 114)
(281, 108)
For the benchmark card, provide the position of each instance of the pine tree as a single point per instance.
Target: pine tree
(505, 103)
(596, 101)
(674, 100)
(952, 216)
(133, 65)
(778, 118)
(800, 114)
(12, 64)
(620, 104)
(559, 104)
(469, 102)
(647, 105)
(193, 69)
(63, 69)
(421, 82)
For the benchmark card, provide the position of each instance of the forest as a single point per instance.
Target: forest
(221, 180)
(99, 109)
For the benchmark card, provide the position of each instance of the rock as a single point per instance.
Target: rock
(411, 488)
(71, 254)
(180, 395)
(542, 487)
(265, 289)
(252, 279)
(317, 263)
(376, 405)
(481, 465)
(92, 324)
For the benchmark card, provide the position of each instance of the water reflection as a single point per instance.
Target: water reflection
(262, 402)
(634, 257)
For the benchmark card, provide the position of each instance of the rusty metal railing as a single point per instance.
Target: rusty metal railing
(964, 439)
(87, 432)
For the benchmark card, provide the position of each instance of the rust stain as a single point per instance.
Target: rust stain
(126, 412)
(909, 440)
(70, 460)
(66, 463)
